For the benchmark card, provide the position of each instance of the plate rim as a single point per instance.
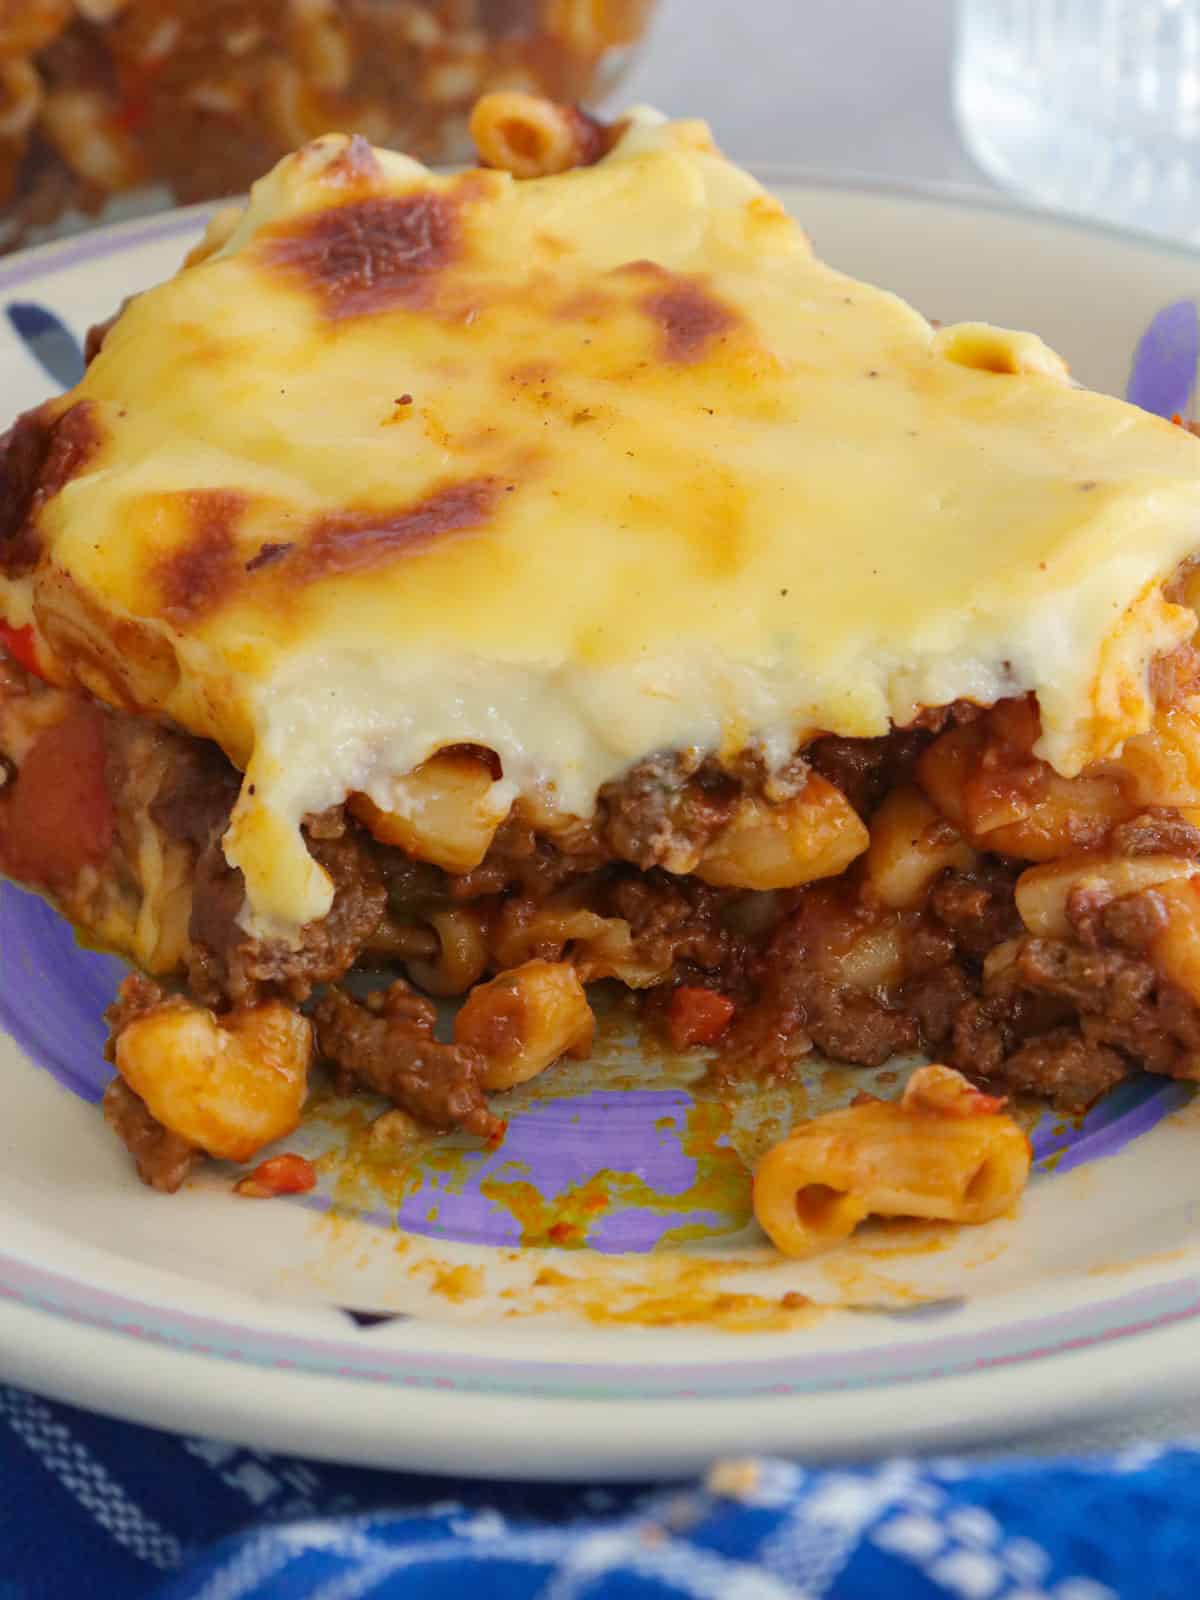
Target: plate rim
(90, 1365)
(971, 197)
(540, 1439)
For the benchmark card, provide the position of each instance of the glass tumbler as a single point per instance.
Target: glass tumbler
(1088, 105)
(112, 107)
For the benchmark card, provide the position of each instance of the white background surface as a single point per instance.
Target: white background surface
(838, 86)
(833, 85)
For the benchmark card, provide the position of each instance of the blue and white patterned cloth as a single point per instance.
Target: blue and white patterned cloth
(89, 1506)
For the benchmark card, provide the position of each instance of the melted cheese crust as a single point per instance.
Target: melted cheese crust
(578, 469)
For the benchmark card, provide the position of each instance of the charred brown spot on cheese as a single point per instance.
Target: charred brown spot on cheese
(371, 255)
(38, 457)
(208, 571)
(353, 541)
(74, 440)
(266, 555)
(690, 317)
(199, 574)
(22, 453)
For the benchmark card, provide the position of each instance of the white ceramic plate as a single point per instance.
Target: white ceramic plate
(589, 1299)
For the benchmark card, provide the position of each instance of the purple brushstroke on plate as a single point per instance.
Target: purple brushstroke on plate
(1122, 1116)
(1163, 376)
(53, 993)
(29, 266)
(559, 1145)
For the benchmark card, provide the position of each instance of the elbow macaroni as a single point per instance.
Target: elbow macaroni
(598, 946)
(524, 1020)
(528, 136)
(816, 834)
(984, 779)
(943, 1153)
(82, 126)
(462, 956)
(446, 811)
(1162, 765)
(229, 1085)
(910, 845)
(1042, 892)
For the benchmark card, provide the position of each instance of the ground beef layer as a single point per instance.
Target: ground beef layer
(120, 822)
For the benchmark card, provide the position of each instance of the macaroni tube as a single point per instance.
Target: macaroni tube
(944, 1152)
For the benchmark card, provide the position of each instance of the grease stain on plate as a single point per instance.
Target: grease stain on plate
(689, 1299)
(454, 1283)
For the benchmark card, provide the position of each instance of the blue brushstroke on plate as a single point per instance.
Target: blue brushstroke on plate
(49, 341)
(1163, 376)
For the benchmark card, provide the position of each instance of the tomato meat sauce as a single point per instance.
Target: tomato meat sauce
(21, 646)
(285, 1174)
(58, 814)
(698, 1016)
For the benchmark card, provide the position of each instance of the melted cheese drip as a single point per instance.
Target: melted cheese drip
(776, 504)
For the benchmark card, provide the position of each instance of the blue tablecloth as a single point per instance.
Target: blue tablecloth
(90, 1506)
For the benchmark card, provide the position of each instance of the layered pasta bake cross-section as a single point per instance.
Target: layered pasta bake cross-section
(499, 584)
